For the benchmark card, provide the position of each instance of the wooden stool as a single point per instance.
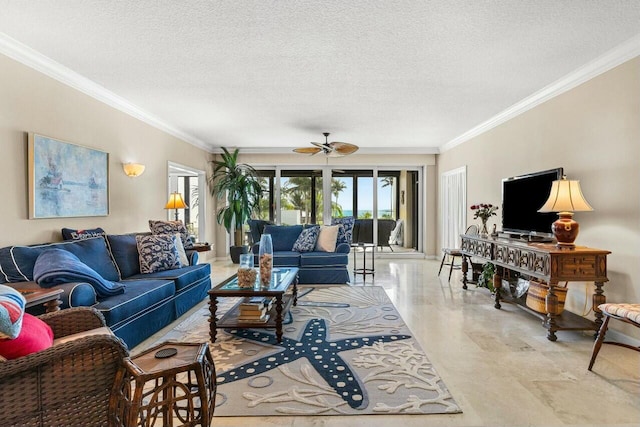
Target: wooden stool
(628, 313)
(451, 254)
(174, 381)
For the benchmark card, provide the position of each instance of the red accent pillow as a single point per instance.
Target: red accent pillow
(35, 336)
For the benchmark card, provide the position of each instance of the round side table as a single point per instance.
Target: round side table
(175, 382)
(364, 270)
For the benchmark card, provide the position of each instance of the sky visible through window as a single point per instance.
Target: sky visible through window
(365, 196)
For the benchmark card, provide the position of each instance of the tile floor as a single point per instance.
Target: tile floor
(498, 364)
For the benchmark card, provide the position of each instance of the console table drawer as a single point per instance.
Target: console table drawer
(523, 260)
(580, 267)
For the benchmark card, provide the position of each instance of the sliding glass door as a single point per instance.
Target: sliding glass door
(301, 197)
(387, 201)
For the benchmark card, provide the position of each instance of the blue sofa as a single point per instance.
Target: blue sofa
(315, 267)
(149, 302)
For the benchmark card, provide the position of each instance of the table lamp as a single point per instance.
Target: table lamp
(565, 198)
(176, 202)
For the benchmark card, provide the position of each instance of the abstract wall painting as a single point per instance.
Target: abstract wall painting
(66, 180)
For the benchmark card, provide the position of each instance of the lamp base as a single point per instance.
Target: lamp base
(565, 229)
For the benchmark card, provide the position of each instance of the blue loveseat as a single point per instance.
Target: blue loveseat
(149, 302)
(315, 267)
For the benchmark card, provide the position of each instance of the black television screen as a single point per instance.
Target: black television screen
(522, 196)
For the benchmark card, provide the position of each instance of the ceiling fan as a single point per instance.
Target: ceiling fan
(330, 149)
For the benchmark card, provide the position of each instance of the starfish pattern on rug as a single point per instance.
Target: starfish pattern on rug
(322, 354)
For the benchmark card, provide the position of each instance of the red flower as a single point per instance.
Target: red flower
(484, 211)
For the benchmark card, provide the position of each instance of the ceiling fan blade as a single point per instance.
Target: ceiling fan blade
(334, 153)
(319, 145)
(343, 148)
(308, 150)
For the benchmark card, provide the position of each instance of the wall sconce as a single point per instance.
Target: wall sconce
(133, 169)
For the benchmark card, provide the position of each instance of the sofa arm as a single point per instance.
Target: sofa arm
(343, 248)
(74, 294)
(192, 256)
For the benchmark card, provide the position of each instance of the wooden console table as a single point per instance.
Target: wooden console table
(548, 263)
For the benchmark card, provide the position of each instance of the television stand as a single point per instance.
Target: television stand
(539, 239)
(545, 262)
(532, 238)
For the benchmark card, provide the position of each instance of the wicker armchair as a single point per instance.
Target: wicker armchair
(69, 384)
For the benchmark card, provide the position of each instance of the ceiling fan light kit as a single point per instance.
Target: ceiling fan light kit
(330, 149)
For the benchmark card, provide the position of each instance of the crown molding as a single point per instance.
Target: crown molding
(616, 56)
(33, 59)
(362, 150)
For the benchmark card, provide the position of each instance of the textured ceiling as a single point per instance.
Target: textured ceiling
(386, 73)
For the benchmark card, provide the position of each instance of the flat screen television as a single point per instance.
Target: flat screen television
(522, 196)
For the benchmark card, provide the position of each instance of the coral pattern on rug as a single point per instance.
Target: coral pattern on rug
(345, 351)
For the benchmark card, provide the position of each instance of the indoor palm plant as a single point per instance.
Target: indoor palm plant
(240, 184)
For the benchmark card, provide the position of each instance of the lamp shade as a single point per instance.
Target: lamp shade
(176, 201)
(565, 196)
(133, 169)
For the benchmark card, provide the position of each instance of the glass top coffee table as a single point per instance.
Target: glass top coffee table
(283, 288)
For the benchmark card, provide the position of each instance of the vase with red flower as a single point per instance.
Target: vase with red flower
(484, 211)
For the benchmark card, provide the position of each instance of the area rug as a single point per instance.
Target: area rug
(345, 351)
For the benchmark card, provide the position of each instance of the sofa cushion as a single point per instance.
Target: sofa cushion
(283, 236)
(124, 249)
(345, 233)
(328, 238)
(34, 336)
(306, 241)
(72, 234)
(283, 259)
(16, 262)
(323, 259)
(171, 227)
(183, 277)
(12, 305)
(103, 330)
(139, 297)
(157, 253)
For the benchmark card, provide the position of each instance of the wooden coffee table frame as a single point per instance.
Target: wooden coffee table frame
(283, 303)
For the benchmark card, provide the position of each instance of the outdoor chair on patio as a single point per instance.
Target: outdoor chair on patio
(72, 382)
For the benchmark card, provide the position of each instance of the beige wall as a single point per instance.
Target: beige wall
(593, 131)
(33, 102)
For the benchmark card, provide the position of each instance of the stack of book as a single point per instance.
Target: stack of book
(255, 309)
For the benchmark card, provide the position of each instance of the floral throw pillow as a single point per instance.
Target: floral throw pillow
(157, 253)
(345, 233)
(307, 239)
(171, 227)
